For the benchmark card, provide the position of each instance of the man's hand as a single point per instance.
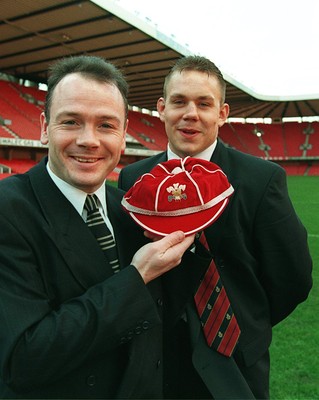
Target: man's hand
(152, 236)
(154, 259)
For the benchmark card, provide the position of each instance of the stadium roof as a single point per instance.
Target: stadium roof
(33, 34)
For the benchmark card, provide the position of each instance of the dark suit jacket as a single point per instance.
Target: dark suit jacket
(260, 248)
(69, 327)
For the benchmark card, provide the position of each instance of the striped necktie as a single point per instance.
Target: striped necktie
(217, 317)
(101, 232)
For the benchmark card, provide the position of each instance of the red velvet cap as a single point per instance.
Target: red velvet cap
(185, 194)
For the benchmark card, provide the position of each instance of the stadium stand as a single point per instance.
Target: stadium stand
(5, 132)
(294, 145)
(21, 115)
(273, 138)
(148, 130)
(311, 141)
(33, 93)
(18, 166)
(229, 135)
(276, 141)
(313, 170)
(295, 168)
(294, 139)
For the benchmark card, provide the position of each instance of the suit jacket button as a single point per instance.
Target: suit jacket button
(91, 381)
(159, 302)
(138, 330)
(145, 325)
(130, 334)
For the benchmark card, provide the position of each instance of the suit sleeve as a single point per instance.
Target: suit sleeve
(282, 250)
(127, 177)
(41, 339)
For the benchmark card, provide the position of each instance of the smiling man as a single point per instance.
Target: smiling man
(85, 130)
(193, 109)
(78, 319)
(259, 245)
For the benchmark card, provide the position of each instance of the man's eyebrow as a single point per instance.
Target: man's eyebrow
(180, 95)
(177, 95)
(109, 118)
(67, 114)
(106, 117)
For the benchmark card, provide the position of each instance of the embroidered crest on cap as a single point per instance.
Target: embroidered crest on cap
(176, 192)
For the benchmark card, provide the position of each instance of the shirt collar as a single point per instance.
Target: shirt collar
(76, 196)
(204, 155)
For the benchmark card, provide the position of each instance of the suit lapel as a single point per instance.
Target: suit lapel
(68, 231)
(128, 235)
(214, 232)
(220, 374)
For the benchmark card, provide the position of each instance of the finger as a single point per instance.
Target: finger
(152, 236)
(172, 239)
(185, 244)
(189, 240)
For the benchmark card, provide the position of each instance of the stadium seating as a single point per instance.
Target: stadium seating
(147, 130)
(313, 170)
(273, 137)
(295, 168)
(18, 166)
(229, 135)
(286, 143)
(5, 132)
(280, 141)
(33, 92)
(311, 141)
(24, 116)
(4, 175)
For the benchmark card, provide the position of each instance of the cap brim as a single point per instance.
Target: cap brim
(189, 224)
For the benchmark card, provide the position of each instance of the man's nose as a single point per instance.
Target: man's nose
(88, 137)
(191, 111)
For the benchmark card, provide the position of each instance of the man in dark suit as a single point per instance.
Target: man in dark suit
(70, 326)
(259, 245)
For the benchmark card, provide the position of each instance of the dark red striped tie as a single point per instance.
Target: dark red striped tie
(217, 317)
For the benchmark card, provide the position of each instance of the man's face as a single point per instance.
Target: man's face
(192, 112)
(86, 131)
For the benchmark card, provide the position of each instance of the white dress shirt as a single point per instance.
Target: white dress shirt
(204, 155)
(77, 197)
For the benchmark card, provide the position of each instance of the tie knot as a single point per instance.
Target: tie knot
(91, 203)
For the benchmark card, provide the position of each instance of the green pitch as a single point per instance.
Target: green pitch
(295, 347)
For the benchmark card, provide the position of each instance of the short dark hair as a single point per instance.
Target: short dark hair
(197, 63)
(94, 67)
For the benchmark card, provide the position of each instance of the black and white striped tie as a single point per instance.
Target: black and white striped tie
(101, 232)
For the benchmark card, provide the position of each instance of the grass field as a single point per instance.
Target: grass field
(295, 346)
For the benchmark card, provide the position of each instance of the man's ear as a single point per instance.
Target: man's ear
(124, 136)
(44, 129)
(161, 108)
(223, 114)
